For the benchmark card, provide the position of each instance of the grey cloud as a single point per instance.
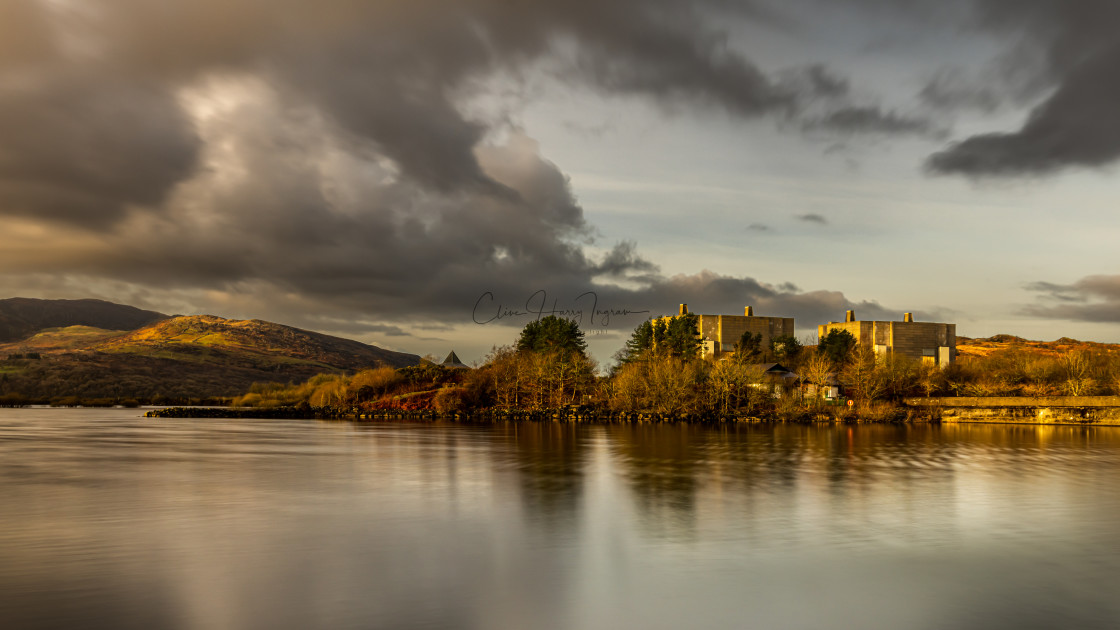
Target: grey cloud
(872, 120)
(815, 82)
(623, 260)
(1090, 299)
(947, 11)
(950, 89)
(825, 83)
(1062, 292)
(812, 218)
(1096, 313)
(1073, 127)
(659, 53)
(707, 292)
(591, 131)
(387, 330)
(758, 227)
(1076, 126)
(1070, 32)
(1103, 286)
(704, 292)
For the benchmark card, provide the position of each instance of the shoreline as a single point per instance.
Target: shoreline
(1024, 415)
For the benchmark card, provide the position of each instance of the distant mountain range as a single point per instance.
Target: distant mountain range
(97, 349)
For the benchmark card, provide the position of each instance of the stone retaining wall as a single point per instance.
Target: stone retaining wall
(1016, 401)
(1023, 410)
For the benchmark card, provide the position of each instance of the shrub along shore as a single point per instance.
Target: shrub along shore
(881, 413)
(1023, 410)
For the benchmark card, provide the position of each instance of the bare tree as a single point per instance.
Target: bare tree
(673, 383)
(730, 385)
(818, 371)
(931, 378)
(1077, 366)
(861, 376)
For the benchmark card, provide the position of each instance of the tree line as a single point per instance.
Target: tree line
(660, 370)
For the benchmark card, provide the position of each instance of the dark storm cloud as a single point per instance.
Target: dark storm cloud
(391, 73)
(1090, 299)
(79, 141)
(92, 128)
(320, 156)
(84, 151)
(1076, 124)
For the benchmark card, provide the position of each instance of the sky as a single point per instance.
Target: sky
(429, 175)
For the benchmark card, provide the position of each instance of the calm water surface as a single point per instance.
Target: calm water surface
(114, 521)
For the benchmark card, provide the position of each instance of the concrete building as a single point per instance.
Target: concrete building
(922, 341)
(720, 333)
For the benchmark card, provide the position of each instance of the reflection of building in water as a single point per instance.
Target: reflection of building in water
(720, 333)
(922, 341)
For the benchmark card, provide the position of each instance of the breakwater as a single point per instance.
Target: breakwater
(1103, 410)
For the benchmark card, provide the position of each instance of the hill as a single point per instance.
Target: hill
(21, 317)
(205, 338)
(983, 347)
(177, 359)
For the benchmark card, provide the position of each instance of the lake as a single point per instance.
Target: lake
(110, 520)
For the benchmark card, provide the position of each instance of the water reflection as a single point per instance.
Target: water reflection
(115, 521)
(662, 468)
(549, 459)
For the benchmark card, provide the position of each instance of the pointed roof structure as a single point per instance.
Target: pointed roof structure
(775, 369)
(452, 361)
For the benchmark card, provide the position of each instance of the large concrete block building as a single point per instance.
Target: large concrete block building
(922, 341)
(720, 333)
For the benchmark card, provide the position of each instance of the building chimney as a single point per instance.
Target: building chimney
(684, 309)
(850, 316)
(748, 311)
(908, 317)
